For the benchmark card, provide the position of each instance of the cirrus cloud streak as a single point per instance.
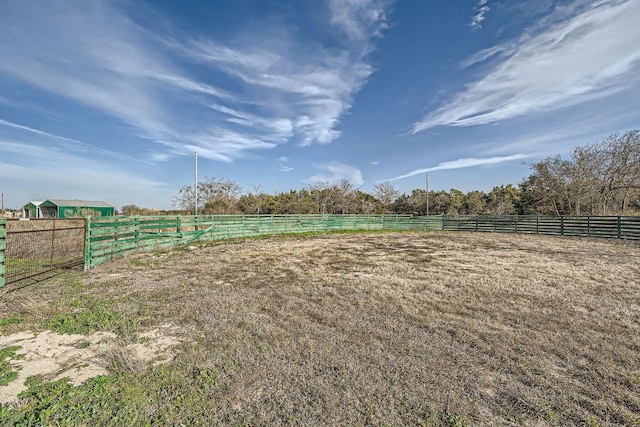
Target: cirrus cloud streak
(465, 163)
(580, 54)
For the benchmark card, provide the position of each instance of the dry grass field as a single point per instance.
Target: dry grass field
(436, 329)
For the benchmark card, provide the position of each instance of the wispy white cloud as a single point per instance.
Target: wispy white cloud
(270, 129)
(285, 90)
(284, 166)
(485, 54)
(481, 10)
(54, 37)
(465, 163)
(75, 144)
(40, 132)
(308, 87)
(311, 92)
(359, 19)
(94, 55)
(334, 172)
(41, 178)
(220, 143)
(581, 53)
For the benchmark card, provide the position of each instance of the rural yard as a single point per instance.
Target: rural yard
(434, 329)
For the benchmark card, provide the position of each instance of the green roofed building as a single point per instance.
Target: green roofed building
(31, 210)
(58, 208)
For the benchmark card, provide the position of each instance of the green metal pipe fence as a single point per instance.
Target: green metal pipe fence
(616, 227)
(111, 237)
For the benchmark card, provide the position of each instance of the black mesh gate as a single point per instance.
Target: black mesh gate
(39, 246)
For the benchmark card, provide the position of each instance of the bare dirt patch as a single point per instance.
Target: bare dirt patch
(52, 356)
(393, 329)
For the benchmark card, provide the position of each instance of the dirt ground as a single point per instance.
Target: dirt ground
(394, 328)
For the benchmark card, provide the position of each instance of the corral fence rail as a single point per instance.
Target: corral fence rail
(29, 248)
(108, 238)
(34, 247)
(616, 227)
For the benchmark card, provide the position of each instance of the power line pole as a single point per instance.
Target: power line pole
(427, 194)
(195, 179)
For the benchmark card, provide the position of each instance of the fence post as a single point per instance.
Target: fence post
(53, 243)
(87, 243)
(619, 227)
(136, 230)
(3, 246)
(562, 225)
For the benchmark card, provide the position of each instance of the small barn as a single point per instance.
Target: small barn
(59, 208)
(31, 210)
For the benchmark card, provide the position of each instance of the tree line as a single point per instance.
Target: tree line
(597, 179)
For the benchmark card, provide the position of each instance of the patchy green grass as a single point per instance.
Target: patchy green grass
(95, 317)
(13, 320)
(165, 395)
(8, 371)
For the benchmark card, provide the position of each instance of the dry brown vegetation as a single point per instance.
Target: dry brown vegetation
(388, 329)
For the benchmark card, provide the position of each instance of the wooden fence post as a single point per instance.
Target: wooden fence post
(3, 246)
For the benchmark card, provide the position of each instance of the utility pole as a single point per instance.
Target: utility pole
(195, 179)
(2, 211)
(427, 194)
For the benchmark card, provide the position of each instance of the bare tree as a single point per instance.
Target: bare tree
(322, 195)
(129, 210)
(185, 199)
(215, 196)
(345, 197)
(601, 178)
(611, 170)
(387, 194)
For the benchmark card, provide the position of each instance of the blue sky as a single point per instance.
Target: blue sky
(108, 100)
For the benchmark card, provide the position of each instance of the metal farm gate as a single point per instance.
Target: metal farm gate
(39, 246)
